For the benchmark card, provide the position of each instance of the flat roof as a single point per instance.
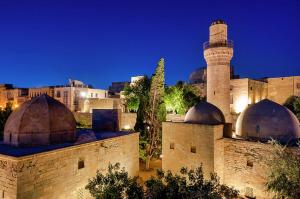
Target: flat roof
(13, 151)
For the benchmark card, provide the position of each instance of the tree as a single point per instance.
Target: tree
(283, 173)
(155, 113)
(116, 184)
(180, 98)
(4, 114)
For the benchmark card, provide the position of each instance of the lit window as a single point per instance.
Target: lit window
(193, 149)
(80, 164)
(172, 145)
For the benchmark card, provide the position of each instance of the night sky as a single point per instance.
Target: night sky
(47, 42)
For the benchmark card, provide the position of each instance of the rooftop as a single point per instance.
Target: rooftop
(19, 151)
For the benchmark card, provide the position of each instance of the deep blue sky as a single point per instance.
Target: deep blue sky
(46, 42)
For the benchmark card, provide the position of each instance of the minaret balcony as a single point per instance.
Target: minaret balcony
(225, 43)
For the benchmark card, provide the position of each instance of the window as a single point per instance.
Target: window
(231, 99)
(193, 149)
(249, 163)
(298, 85)
(172, 145)
(65, 100)
(58, 94)
(250, 87)
(80, 164)
(96, 95)
(92, 94)
(10, 137)
(214, 92)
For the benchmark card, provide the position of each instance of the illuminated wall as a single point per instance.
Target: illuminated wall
(60, 173)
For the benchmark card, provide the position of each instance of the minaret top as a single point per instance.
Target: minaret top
(218, 21)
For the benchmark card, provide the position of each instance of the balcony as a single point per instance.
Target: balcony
(225, 43)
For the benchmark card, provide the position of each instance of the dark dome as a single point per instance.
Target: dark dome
(267, 119)
(198, 76)
(218, 21)
(204, 113)
(40, 121)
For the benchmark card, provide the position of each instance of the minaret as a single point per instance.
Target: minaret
(218, 52)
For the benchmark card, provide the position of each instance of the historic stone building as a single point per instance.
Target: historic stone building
(44, 156)
(206, 138)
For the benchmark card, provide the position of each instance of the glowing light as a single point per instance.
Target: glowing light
(233, 135)
(83, 94)
(241, 104)
(127, 127)
(16, 105)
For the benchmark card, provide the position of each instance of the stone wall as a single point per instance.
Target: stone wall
(242, 166)
(87, 105)
(128, 121)
(8, 176)
(83, 118)
(180, 139)
(280, 88)
(56, 174)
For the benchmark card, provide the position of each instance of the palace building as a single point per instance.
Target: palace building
(206, 138)
(44, 156)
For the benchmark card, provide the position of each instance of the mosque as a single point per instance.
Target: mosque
(206, 136)
(43, 155)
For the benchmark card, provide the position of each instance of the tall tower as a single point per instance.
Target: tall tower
(218, 52)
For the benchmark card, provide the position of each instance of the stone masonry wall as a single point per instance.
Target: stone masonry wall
(55, 174)
(182, 137)
(242, 166)
(8, 176)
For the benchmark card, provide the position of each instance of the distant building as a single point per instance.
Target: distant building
(72, 93)
(35, 92)
(14, 96)
(116, 88)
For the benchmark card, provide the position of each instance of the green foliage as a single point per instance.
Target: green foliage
(190, 96)
(4, 114)
(190, 184)
(136, 94)
(116, 184)
(174, 100)
(157, 92)
(155, 112)
(293, 103)
(283, 172)
(180, 98)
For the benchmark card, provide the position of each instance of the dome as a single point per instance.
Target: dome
(40, 121)
(267, 119)
(204, 113)
(198, 76)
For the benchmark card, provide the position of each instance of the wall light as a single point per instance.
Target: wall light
(241, 104)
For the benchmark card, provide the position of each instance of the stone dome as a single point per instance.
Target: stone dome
(40, 121)
(205, 113)
(267, 119)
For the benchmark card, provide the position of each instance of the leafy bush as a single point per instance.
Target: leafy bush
(189, 184)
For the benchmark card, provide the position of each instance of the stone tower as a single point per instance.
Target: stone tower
(218, 52)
